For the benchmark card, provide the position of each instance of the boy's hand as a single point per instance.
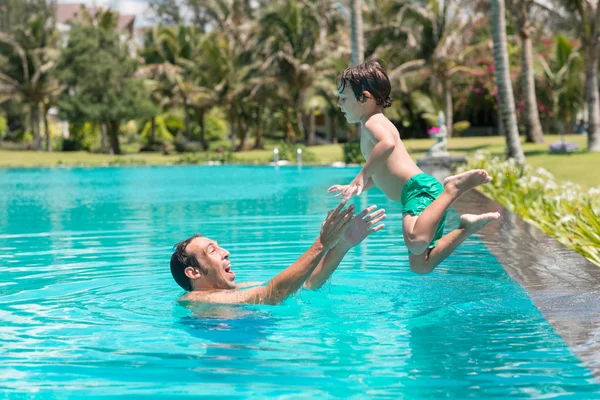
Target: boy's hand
(355, 188)
(335, 225)
(362, 225)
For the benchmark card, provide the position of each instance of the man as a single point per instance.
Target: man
(200, 266)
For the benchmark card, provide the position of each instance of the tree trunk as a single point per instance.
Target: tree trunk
(505, 93)
(152, 131)
(592, 96)
(532, 115)
(47, 130)
(289, 129)
(448, 107)
(113, 135)
(186, 120)
(202, 132)
(312, 130)
(258, 142)
(356, 31)
(33, 125)
(104, 137)
(328, 126)
(500, 123)
(232, 122)
(301, 116)
(334, 135)
(243, 132)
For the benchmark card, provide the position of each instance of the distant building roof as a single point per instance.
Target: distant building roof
(66, 12)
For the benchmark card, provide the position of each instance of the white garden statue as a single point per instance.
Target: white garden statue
(440, 148)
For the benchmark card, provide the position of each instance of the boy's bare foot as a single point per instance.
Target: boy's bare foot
(473, 223)
(457, 185)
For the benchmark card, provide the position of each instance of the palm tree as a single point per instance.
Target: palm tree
(506, 98)
(447, 42)
(564, 77)
(291, 32)
(169, 59)
(356, 29)
(28, 75)
(586, 14)
(524, 11)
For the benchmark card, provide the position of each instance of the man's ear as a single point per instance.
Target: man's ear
(367, 94)
(192, 273)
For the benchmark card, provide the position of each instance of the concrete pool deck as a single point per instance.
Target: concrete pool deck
(562, 284)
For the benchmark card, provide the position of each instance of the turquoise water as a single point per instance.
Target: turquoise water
(88, 306)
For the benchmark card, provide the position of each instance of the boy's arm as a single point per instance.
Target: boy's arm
(383, 149)
(339, 188)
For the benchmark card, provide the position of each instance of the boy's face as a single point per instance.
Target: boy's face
(353, 109)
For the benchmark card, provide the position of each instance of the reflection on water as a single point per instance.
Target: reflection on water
(89, 307)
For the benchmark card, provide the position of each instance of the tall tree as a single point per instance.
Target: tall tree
(356, 29)
(98, 72)
(586, 14)
(564, 72)
(447, 39)
(525, 24)
(290, 33)
(28, 72)
(506, 97)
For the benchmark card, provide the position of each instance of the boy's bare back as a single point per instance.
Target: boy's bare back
(399, 167)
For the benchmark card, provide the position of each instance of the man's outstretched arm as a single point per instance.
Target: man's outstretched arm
(357, 231)
(291, 279)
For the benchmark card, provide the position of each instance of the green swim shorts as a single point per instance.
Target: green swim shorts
(417, 194)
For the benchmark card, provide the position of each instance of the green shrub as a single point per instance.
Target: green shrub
(460, 126)
(183, 145)
(352, 153)
(82, 137)
(289, 152)
(161, 132)
(215, 126)
(564, 211)
(3, 127)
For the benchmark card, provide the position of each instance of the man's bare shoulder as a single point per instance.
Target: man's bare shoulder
(233, 296)
(247, 284)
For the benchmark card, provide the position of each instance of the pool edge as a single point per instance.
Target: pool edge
(569, 299)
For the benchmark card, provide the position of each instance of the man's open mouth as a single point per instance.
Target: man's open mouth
(228, 270)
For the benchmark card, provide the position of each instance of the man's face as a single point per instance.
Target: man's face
(353, 110)
(214, 262)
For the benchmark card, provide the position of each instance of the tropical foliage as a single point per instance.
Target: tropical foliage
(265, 71)
(565, 212)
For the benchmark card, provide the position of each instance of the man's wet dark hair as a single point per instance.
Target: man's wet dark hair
(180, 260)
(371, 77)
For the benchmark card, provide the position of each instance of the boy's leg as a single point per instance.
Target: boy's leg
(420, 230)
(469, 224)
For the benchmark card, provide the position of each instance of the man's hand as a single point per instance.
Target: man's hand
(360, 226)
(355, 188)
(335, 225)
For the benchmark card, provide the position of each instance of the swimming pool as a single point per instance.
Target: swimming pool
(88, 306)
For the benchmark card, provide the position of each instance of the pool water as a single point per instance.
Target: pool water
(88, 306)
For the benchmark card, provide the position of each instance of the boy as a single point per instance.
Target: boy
(364, 91)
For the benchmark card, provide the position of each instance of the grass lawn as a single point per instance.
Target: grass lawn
(581, 167)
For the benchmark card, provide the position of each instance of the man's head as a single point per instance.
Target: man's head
(362, 89)
(199, 263)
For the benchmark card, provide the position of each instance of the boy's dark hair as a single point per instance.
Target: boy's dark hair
(180, 260)
(371, 77)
